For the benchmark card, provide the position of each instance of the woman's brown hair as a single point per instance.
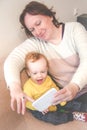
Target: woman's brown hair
(35, 8)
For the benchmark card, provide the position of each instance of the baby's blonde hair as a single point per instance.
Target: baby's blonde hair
(34, 56)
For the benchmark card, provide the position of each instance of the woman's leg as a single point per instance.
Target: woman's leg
(82, 98)
(53, 117)
(79, 104)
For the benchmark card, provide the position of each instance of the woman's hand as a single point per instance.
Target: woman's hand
(18, 98)
(66, 94)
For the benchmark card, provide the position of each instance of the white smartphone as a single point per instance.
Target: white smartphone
(45, 100)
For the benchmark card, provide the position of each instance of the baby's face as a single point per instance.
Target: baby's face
(38, 70)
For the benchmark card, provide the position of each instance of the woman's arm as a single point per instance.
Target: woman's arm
(80, 38)
(15, 61)
(12, 67)
(79, 79)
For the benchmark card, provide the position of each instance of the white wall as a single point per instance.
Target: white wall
(11, 33)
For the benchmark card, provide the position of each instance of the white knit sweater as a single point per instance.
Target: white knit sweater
(68, 60)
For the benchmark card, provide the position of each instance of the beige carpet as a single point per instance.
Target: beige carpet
(10, 120)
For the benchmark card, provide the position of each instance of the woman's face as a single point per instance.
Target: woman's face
(41, 26)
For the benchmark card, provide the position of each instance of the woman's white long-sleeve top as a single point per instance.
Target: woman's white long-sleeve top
(67, 60)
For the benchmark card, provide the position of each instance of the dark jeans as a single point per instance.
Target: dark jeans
(55, 118)
(64, 113)
(79, 104)
(82, 98)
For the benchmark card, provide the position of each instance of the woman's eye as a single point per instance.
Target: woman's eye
(38, 23)
(31, 29)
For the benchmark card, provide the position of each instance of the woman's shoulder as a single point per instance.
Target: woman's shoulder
(73, 25)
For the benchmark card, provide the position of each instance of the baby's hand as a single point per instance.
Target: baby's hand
(45, 111)
(63, 103)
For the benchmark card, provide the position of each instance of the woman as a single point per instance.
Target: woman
(64, 45)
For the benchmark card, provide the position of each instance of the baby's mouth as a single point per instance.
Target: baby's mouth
(39, 81)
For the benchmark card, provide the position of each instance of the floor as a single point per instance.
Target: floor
(10, 120)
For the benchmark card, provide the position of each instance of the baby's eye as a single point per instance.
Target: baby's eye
(43, 71)
(34, 73)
